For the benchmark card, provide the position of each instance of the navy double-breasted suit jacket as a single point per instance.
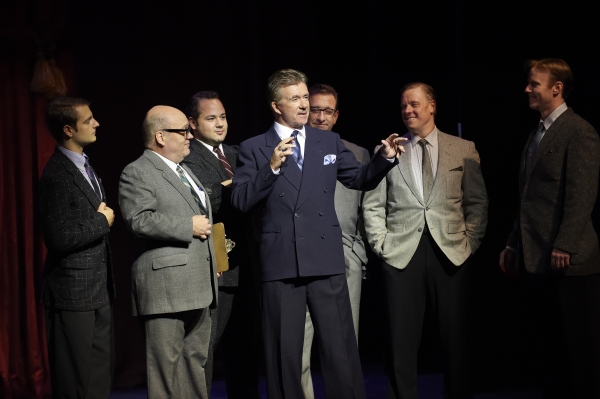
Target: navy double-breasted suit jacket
(295, 222)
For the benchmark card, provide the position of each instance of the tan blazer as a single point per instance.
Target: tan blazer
(456, 212)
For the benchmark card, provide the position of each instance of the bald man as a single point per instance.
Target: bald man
(174, 274)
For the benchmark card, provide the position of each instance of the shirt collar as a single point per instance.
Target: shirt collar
(432, 138)
(284, 132)
(210, 147)
(75, 157)
(554, 115)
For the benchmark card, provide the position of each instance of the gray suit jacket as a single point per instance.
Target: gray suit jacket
(558, 196)
(456, 212)
(347, 206)
(173, 271)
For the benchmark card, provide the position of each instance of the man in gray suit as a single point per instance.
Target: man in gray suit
(323, 115)
(173, 275)
(554, 242)
(424, 221)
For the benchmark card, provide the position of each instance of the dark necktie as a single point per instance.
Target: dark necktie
(533, 146)
(189, 186)
(92, 176)
(426, 172)
(297, 151)
(224, 161)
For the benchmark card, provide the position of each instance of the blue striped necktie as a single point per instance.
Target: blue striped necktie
(297, 151)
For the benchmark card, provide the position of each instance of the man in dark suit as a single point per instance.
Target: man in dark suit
(425, 221)
(287, 178)
(213, 162)
(78, 287)
(553, 244)
(173, 275)
(324, 113)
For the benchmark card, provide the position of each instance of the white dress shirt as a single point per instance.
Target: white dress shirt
(285, 132)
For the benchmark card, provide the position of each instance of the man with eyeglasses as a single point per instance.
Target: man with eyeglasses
(323, 115)
(174, 274)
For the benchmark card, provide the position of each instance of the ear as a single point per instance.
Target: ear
(433, 105)
(192, 123)
(557, 88)
(159, 138)
(68, 131)
(275, 108)
(335, 116)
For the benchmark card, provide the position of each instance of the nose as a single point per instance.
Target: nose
(96, 123)
(304, 103)
(528, 89)
(189, 135)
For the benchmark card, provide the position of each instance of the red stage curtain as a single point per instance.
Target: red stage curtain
(25, 147)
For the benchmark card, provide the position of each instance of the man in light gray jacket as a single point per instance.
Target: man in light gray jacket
(174, 274)
(424, 221)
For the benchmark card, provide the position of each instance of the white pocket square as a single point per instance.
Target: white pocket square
(329, 159)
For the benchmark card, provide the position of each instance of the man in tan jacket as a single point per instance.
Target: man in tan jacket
(424, 221)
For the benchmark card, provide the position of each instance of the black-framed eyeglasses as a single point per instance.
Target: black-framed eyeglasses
(183, 132)
(326, 111)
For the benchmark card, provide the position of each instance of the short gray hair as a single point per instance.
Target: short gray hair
(280, 79)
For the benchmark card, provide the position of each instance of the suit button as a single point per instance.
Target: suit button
(324, 190)
(293, 240)
(320, 213)
(208, 258)
(426, 209)
(296, 215)
(281, 194)
(322, 235)
(420, 229)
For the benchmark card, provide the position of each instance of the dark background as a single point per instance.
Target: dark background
(132, 55)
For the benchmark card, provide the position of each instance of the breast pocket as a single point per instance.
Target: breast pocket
(454, 183)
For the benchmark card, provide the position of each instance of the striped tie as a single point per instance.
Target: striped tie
(189, 186)
(224, 161)
(427, 173)
(297, 151)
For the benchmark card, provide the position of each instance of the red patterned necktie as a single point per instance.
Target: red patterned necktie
(223, 161)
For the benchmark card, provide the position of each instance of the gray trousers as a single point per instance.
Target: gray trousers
(176, 354)
(354, 275)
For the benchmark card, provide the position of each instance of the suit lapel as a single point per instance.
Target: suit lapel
(79, 180)
(444, 156)
(173, 179)
(231, 156)
(313, 163)
(289, 169)
(405, 167)
(209, 158)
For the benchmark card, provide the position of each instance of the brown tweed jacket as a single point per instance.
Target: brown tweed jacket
(557, 198)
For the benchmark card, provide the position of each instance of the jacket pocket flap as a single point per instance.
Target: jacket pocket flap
(456, 227)
(169, 260)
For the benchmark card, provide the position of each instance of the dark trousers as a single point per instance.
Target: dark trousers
(428, 277)
(562, 327)
(81, 351)
(283, 315)
(235, 329)
(176, 354)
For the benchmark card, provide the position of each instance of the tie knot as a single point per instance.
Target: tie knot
(179, 169)
(294, 134)
(423, 142)
(217, 150)
(541, 127)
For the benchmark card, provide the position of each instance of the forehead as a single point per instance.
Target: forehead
(294, 90)
(539, 75)
(414, 95)
(83, 112)
(323, 100)
(211, 106)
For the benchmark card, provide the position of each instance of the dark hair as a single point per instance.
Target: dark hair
(62, 112)
(558, 69)
(428, 90)
(321, 88)
(280, 79)
(193, 105)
